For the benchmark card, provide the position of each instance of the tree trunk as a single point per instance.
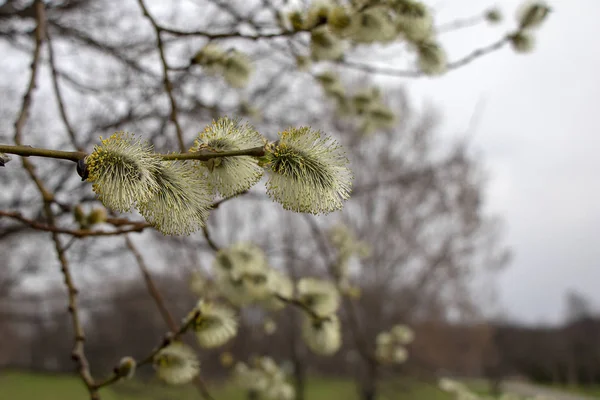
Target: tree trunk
(368, 390)
(299, 380)
(297, 359)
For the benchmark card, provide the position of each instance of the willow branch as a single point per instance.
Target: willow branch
(479, 53)
(27, 151)
(152, 289)
(78, 233)
(209, 239)
(460, 24)
(204, 155)
(358, 334)
(164, 311)
(167, 340)
(461, 62)
(78, 352)
(229, 35)
(300, 305)
(165, 67)
(217, 203)
(57, 92)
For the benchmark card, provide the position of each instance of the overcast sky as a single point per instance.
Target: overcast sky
(538, 134)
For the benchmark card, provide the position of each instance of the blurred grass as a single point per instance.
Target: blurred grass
(30, 386)
(593, 390)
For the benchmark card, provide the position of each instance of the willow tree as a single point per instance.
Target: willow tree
(278, 80)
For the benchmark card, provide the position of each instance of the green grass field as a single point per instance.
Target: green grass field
(592, 391)
(29, 386)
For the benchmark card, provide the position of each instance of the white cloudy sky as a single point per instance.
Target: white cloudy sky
(538, 132)
(538, 136)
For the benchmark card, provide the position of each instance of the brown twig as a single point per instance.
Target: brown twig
(417, 74)
(152, 289)
(204, 155)
(300, 305)
(58, 94)
(207, 155)
(359, 336)
(78, 353)
(169, 338)
(78, 233)
(229, 35)
(165, 67)
(217, 203)
(460, 24)
(166, 314)
(208, 238)
(26, 151)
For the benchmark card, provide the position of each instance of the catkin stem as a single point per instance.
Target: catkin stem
(27, 151)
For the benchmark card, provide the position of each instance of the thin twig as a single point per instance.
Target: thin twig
(358, 334)
(167, 82)
(299, 304)
(78, 353)
(208, 238)
(78, 233)
(417, 74)
(58, 94)
(204, 155)
(152, 289)
(169, 338)
(167, 317)
(229, 35)
(207, 155)
(26, 151)
(460, 24)
(217, 203)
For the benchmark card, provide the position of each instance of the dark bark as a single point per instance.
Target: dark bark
(368, 390)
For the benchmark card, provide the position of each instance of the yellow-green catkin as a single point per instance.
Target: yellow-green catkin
(237, 69)
(324, 45)
(308, 172)
(182, 203)
(493, 16)
(532, 14)
(431, 58)
(122, 169)
(522, 41)
(229, 175)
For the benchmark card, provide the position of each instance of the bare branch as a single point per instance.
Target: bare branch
(418, 74)
(167, 82)
(27, 151)
(78, 233)
(78, 353)
(58, 94)
(152, 289)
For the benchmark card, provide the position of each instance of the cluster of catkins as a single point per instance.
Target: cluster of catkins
(244, 277)
(530, 16)
(390, 345)
(335, 25)
(308, 172)
(366, 104)
(264, 377)
(235, 66)
(176, 363)
(344, 241)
